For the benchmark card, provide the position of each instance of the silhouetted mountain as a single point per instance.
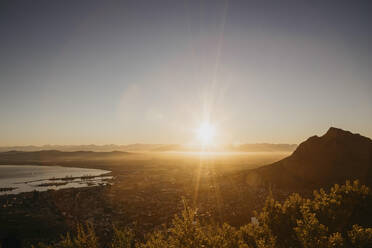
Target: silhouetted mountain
(332, 158)
(65, 148)
(260, 147)
(55, 156)
(265, 147)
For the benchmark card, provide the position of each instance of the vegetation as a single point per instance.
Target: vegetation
(340, 218)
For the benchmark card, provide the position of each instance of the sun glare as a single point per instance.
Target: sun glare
(206, 132)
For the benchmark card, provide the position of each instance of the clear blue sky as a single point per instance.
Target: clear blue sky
(82, 72)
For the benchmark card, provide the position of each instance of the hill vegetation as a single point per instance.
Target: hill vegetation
(340, 218)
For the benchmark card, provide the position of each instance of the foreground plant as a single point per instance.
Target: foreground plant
(341, 218)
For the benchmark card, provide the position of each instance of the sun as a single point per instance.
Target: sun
(205, 133)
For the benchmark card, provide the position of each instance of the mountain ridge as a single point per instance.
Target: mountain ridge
(334, 157)
(254, 147)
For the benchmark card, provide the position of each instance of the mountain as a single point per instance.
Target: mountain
(54, 156)
(332, 158)
(261, 147)
(93, 148)
(265, 147)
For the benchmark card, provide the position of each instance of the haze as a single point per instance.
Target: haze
(102, 72)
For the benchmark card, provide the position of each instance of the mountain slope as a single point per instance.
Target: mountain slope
(334, 157)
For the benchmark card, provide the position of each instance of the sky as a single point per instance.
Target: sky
(121, 72)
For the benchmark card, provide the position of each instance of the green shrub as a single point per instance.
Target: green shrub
(360, 237)
(338, 219)
(122, 238)
(84, 237)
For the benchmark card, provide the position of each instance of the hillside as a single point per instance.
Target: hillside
(334, 157)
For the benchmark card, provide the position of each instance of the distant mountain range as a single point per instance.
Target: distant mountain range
(336, 156)
(261, 147)
(54, 156)
(332, 158)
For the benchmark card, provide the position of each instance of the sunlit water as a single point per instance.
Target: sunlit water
(16, 179)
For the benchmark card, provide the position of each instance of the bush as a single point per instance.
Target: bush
(84, 237)
(340, 218)
(122, 238)
(360, 237)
